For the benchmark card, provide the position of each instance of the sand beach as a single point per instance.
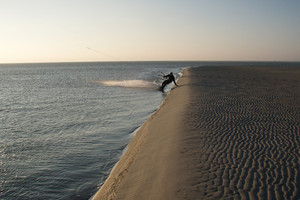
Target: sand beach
(224, 133)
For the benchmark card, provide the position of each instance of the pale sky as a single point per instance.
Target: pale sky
(152, 30)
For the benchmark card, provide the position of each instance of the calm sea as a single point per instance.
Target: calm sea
(63, 126)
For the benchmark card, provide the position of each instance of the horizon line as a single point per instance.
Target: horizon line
(49, 62)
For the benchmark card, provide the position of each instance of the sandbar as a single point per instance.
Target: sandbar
(226, 132)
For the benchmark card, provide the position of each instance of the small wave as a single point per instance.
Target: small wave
(130, 83)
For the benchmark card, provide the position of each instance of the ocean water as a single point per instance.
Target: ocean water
(65, 125)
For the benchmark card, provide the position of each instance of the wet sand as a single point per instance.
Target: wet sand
(224, 133)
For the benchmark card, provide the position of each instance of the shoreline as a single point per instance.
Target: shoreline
(120, 170)
(224, 132)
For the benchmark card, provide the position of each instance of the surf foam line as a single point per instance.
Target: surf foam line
(130, 83)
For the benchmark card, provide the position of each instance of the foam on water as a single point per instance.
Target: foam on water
(130, 83)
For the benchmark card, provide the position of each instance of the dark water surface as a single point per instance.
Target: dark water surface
(62, 130)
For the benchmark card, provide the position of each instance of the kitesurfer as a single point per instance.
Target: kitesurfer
(170, 78)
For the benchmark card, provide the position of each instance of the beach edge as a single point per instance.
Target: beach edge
(110, 186)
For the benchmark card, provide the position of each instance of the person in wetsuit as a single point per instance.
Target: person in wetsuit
(170, 77)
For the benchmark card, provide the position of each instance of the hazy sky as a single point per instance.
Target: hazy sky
(140, 30)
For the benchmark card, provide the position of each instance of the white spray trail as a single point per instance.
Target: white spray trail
(130, 83)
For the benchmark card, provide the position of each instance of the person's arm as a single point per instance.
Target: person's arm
(175, 82)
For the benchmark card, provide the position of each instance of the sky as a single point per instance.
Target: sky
(149, 30)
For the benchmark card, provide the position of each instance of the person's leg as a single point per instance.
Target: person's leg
(164, 84)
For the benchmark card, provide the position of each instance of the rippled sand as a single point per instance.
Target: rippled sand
(224, 133)
(243, 132)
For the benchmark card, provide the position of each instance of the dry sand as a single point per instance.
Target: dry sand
(224, 133)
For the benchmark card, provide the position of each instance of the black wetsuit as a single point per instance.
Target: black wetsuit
(168, 81)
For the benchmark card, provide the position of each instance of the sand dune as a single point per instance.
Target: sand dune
(224, 133)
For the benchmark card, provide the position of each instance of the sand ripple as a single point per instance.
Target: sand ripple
(244, 133)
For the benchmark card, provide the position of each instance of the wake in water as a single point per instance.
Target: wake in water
(145, 80)
(149, 80)
(131, 83)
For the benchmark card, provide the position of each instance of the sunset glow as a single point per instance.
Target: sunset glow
(70, 31)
